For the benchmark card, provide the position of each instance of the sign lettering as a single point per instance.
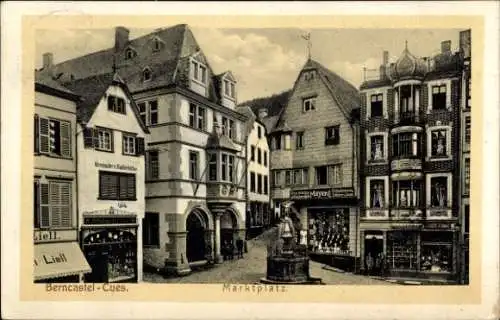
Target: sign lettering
(54, 235)
(115, 166)
(51, 259)
(318, 194)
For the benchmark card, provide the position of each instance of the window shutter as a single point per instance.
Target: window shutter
(139, 144)
(123, 187)
(36, 134)
(44, 205)
(66, 208)
(55, 201)
(44, 139)
(88, 138)
(131, 187)
(65, 134)
(36, 204)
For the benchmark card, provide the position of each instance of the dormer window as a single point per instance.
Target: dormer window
(156, 45)
(308, 75)
(129, 54)
(229, 89)
(116, 104)
(147, 74)
(198, 72)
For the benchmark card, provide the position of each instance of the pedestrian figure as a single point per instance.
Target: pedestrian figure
(369, 263)
(382, 264)
(378, 264)
(230, 250)
(239, 246)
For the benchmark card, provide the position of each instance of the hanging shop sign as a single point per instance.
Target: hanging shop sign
(42, 236)
(115, 166)
(321, 194)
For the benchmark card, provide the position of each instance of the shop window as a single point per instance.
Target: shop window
(212, 167)
(128, 144)
(467, 130)
(406, 194)
(466, 175)
(438, 143)
(153, 164)
(259, 156)
(52, 204)
(52, 137)
(148, 110)
(377, 147)
(151, 229)
(439, 97)
(259, 183)
(436, 252)
(193, 165)
(439, 192)
(299, 142)
(266, 185)
(377, 193)
(406, 145)
(402, 250)
(116, 104)
(376, 105)
(265, 159)
(117, 186)
(309, 104)
(104, 139)
(332, 135)
(329, 231)
(196, 117)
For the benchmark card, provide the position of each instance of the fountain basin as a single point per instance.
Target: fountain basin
(289, 270)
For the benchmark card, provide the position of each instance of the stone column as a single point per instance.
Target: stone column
(217, 214)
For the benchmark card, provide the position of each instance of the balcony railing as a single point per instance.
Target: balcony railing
(406, 214)
(409, 118)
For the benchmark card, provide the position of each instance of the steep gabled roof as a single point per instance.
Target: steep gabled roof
(92, 89)
(346, 95)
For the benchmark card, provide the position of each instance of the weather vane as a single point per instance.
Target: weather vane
(307, 37)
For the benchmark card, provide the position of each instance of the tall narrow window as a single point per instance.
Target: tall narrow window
(335, 174)
(466, 175)
(196, 117)
(252, 153)
(332, 135)
(322, 175)
(438, 143)
(439, 97)
(230, 168)
(259, 132)
(193, 165)
(277, 142)
(406, 194)
(231, 129)
(104, 139)
(224, 168)
(259, 156)
(147, 75)
(153, 167)
(259, 183)
(377, 147)
(212, 167)
(288, 177)
(309, 104)
(153, 112)
(376, 105)
(467, 130)
(142, 112)
(439, 192)
(265, 159)
(288, 138)
(377, 194)
(299, 142)
(53, 137)
(252, 181)
(128, 144)
(148, 110)
(266, 187)
(53, 204)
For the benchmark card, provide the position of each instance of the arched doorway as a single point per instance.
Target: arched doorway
(196, 226)
(228, 228)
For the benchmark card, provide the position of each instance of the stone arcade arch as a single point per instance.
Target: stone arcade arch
(198, 244)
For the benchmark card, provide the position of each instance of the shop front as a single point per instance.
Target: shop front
(57, 257)
(405, 252)
(329, 217)
(111, 248)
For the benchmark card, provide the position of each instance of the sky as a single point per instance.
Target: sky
(267, 61)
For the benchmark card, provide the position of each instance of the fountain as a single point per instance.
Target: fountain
(287, 259)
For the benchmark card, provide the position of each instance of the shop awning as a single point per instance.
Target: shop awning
(52, 260)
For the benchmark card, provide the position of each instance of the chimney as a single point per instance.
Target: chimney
(262, 113)
(383, 67)
(48, 60)
(121, 38)
(446, 46)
